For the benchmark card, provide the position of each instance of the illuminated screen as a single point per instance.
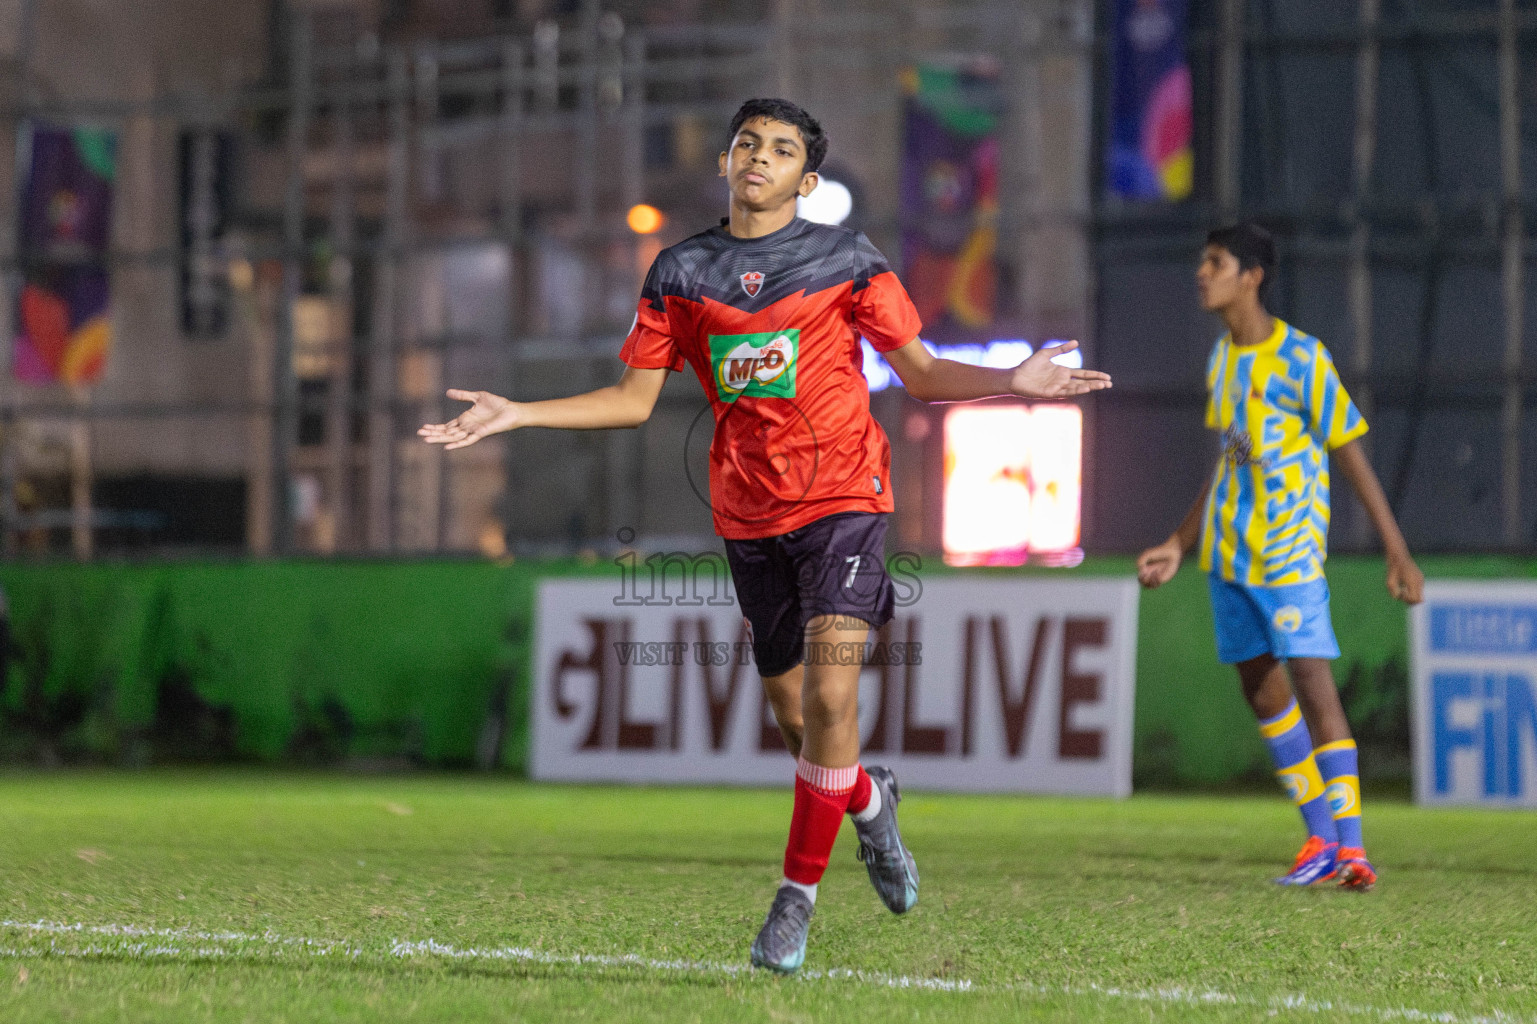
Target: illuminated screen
(1013, 480)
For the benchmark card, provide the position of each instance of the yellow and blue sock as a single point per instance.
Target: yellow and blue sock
(1292, 749)
(1337, 764)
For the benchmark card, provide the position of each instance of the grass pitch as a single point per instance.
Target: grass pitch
(277, 898)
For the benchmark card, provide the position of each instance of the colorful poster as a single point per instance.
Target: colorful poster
(950, 197)
(63, 329)
(1151, 156)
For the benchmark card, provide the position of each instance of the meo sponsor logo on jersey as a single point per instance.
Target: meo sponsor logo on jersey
(756, 365)
(752, 283)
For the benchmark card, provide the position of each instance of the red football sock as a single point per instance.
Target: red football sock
(821, 798)
(859, 799)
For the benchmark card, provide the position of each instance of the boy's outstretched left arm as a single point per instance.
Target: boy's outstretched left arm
(1405, 581)
(929, 378)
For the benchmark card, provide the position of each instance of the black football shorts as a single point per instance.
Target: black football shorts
(833, 566)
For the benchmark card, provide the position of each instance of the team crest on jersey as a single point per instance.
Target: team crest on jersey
(752, 283)
(1237, 445)
(1288, 619)
(755, 365)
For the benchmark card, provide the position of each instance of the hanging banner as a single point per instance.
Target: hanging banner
(63, 329)
(1474, 648)
(950, 197)
(1151, 156)
(981, 685)
(207, 202)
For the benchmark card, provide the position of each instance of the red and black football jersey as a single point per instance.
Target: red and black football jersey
(771, 326)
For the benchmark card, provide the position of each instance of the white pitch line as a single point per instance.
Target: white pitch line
(156, 943)
(322, 947)
(428, 947)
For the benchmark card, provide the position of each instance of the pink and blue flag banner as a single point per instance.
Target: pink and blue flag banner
(1150, 155)
(950, 197)
(63, 326)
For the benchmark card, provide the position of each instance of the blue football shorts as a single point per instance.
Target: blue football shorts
(1284, 622)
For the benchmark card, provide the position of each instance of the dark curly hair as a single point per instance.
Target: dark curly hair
(1252, 246)
(788, 113)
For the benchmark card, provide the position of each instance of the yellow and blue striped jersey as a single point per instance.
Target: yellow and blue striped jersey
(1280, 407)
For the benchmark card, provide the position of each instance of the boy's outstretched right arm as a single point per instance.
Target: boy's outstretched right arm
(625, 404)
(1157, 565)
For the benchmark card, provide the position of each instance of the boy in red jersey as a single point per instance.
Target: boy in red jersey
(768, 310)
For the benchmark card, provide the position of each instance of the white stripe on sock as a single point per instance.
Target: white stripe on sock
(872, 808)
(828, 780)
(809, 890)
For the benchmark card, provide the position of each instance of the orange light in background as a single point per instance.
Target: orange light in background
(645, 219)
(1012, 485)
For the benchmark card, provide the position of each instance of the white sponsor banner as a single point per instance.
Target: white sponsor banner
(1475, 694)
(984, 685)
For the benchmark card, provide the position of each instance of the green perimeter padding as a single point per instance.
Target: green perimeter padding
(426, 663)
(310, 662)
(1192, 725)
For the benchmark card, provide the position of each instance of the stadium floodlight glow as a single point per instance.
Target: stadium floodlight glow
(645, 219)
(986, 503)
(830, 202)
(1073, 359)
(1056, 480)
(1013, 482)
(878, 373)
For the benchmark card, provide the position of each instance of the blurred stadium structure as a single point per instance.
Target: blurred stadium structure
(1392, 145)
(327, 211)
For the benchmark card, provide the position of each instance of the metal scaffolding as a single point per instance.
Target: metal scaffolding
(1352, 232)
(375, 171)
(380, 176)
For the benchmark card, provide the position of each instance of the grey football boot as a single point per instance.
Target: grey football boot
(781, 944)
(892, 869)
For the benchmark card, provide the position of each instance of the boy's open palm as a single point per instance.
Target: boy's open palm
(1039, 377)
(490, 414)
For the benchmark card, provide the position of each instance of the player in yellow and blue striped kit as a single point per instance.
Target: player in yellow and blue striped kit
(1262, 523)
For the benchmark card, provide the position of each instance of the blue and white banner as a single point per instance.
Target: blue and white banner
(1475, 694)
